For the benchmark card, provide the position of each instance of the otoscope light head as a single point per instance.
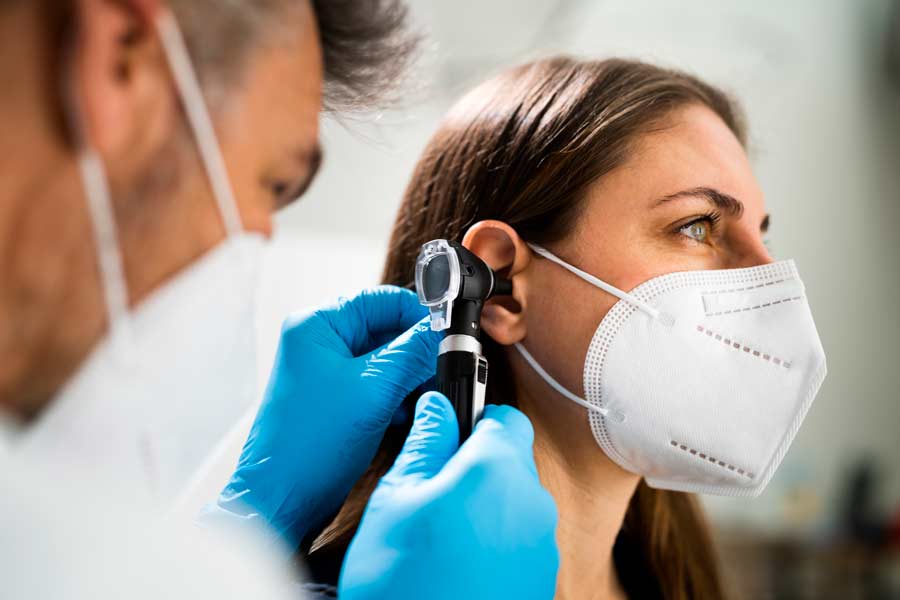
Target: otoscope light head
(438, 281)
(454, 283)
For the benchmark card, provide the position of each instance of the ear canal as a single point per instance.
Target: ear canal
(502, 287)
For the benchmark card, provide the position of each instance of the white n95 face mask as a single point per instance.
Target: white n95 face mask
(174, 375)
(699, 380)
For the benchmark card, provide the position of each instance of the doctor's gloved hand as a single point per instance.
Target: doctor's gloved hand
(445, 524)
(340, 374)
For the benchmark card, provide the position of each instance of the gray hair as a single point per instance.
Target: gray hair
(367, 44)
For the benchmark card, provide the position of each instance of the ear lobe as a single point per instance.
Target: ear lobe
(501, 248)
(122, 86)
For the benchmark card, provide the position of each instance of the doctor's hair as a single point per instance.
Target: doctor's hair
(367, 45)
(524, 148)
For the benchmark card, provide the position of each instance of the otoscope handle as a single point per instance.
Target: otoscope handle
(462, 377)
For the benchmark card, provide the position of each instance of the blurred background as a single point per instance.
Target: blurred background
(820, 81)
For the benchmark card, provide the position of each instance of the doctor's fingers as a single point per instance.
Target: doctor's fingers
(509, 491)
(511, 421)
(502, 440)
(363, 321)
(432, 441)
(403, 364)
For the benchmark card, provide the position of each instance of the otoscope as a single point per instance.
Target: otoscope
(454, 284)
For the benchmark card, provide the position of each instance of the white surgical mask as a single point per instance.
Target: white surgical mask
(699, 380)
(172, 377)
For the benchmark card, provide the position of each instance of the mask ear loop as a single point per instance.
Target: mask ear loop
(109, 257)
(611, 414)
(610, 289)
(653, 313)
(108, 253)
(188, 86)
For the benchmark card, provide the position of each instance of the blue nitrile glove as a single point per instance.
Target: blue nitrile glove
(475, 524)
(339, 375)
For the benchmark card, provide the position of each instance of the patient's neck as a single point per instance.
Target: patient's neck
(592, 495)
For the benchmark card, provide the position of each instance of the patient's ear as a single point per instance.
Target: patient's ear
(498, 245)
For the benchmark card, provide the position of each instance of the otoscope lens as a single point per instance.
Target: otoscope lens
(436, 277)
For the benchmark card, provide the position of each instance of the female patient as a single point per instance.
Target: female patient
(628, 171)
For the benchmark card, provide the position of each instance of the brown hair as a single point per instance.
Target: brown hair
(523, 148)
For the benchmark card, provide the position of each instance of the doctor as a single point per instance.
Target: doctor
(145, 147)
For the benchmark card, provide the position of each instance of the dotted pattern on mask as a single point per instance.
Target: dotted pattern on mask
(711, 459)
(739, 346)
(750, 287)
(732, 279)
(757, 307)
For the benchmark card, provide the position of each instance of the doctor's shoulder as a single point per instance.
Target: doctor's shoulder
(69, 534)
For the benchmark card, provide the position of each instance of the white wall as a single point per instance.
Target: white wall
(826, 147)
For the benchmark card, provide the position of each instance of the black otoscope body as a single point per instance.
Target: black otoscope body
(454, 284)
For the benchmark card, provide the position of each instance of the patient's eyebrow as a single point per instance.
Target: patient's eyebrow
(716, 198)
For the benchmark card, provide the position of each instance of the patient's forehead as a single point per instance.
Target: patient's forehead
(692, 148)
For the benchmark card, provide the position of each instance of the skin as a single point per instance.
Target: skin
(52, 312)
(635, 226)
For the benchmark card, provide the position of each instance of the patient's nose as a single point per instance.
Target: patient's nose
(753, 254)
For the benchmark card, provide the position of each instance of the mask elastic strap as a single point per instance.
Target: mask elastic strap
(610, 289)
(110, 262)
(199, 120)
(612, 414)
(109, 258)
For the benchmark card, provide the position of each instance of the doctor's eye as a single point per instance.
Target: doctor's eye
(285, 192)
(278, 189)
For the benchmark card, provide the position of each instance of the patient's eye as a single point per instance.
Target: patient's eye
(698, 230)
(701, 228)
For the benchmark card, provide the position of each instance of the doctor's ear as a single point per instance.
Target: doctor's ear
(120, 83)
(498, 245)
